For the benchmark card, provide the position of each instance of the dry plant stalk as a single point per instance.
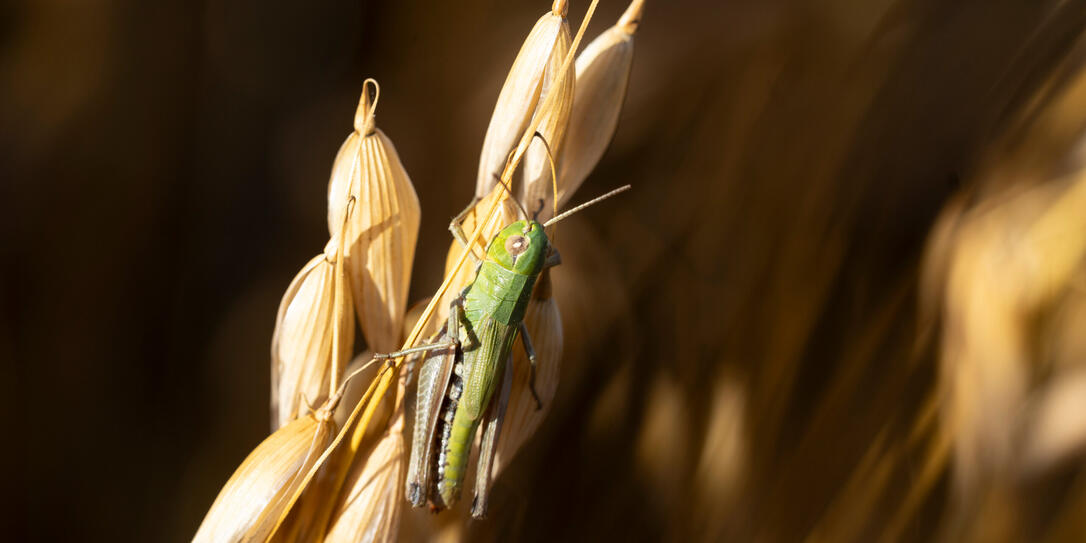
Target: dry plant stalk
(303, 342)
(381, 234)
(248, 506)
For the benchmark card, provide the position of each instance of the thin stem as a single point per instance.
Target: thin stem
(337, 301)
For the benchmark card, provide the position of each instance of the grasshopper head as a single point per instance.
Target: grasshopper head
(521, 247)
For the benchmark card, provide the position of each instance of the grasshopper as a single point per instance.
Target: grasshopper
(465, 378)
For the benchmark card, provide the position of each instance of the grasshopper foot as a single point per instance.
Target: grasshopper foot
(478, 508)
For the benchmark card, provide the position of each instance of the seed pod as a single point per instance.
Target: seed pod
(250, 503)
(603, 71)
(302, 344)
(382, 230)
(520, 94)
(522, 419)
(553, 125)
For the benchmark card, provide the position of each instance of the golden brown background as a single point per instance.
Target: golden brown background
(743, 347)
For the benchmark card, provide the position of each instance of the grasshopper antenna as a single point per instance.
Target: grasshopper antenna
(554, 172)
(593, 201)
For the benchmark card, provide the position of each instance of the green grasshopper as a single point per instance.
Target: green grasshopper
(471, 360)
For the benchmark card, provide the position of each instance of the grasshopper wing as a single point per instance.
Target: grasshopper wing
(434, 374)
(492, 425)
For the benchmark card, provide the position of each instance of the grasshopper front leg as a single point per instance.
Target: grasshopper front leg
(458, 231)
(488, 447)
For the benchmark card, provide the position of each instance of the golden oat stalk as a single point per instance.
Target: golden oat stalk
(359, 420)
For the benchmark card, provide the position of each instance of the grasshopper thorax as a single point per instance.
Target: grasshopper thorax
(520, 248)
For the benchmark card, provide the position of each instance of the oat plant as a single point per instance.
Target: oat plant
(333, 468)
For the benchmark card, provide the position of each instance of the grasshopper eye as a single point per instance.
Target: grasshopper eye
(516, 245)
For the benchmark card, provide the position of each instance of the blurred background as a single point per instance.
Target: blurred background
(845, 300)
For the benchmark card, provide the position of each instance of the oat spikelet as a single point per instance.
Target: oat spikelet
(537, 187)
(382, 231)
(303, 342)
(603, 72)
(249, 504)
(370, 504)
(522, 419)
(520, 95)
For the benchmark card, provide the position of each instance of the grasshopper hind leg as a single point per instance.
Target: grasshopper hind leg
(527, 342)
(436, 377)
(488, 447)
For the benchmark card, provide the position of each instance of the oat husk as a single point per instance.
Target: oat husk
(603, 73)
(383, 229)
(371, 501)
(303, 341)
(537, 190)
(520, 96)
(250, 503)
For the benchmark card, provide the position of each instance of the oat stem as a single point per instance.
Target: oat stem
(337, 300)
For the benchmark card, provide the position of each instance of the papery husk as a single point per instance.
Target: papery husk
(382, 231)
(537, 190)
(250, 503)
(302, 343)
(543, 321)
(507, 213)
(371, 501)
(603, 73)
(519, 97)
